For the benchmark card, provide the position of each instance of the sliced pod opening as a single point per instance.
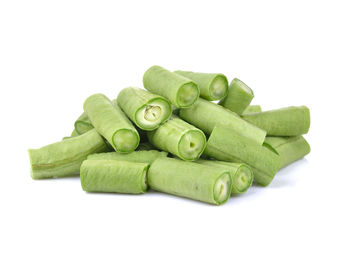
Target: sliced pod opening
(187, 95)
(126, 140)
(192, 144)
(218, 88)
(150, 116)
(222, 189)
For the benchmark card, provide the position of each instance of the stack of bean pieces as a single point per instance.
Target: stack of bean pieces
(172, 138)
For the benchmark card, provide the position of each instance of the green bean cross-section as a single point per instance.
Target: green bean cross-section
(83, 124)
(181, 91)
(212, 86)
(190, 180)
(110, 121)
(179, 138)
(147, 110)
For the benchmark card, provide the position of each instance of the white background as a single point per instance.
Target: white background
(53, 54)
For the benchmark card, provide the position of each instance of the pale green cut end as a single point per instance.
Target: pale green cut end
(218, 88)
(153, 114)
(126, 140)
(243, 179)
(192, 145)
(222, 189)
(187, 95)
(244, 87)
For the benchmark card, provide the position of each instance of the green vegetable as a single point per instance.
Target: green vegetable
(212, 86)
(252, 109)
(83, 124)
(145, 109)
(73, 134)
(111, 123)
(113, 176)
(289, 121)
(64, 158)
(144, 156)
(181, 91)
(191, 180)
(206, 115)
(238, 98)
(241, 174)
(179, 138)
(226, 145)
(289, 149)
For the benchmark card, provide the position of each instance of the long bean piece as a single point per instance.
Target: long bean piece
(145, 109)
(252, 109)
(64, 158)
(206, 115)
(181, 91)
(191, 180)
(241, 174)
(113, 176)
(83, 124)
(179, 138)
(289, 121)
(290, 149)
(226, 145)
(111, 123)
(212, 86)
(143, 156)
(238, 98)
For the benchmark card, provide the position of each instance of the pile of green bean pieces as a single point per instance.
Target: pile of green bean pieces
(172, 138)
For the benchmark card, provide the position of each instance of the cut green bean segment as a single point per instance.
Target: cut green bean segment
(226, 145)
(190, 180)
(145, 109)
(290, 149)
(83, 124)
(241, 174)
(110, 121)
(238, 98)
(145, 156)
(181, 91)
(212, 86)
(113, 176)
(206, 115)
(73, 134)
(64, 158)
(289, 121)
(252, 109)
(179, 138)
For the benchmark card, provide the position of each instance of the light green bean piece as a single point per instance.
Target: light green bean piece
(73, 134)
(64, 158)
(226, 145)
(179, 138)
(238, 98)
(289, 121)
(83, 124)
(113, 176)
(212, 86)
(145, 109)
(191, 180)
(144, 156)
(181, 91)
(290, 149)
(252, 109)
(110, 121)
(241, 174)
(206, 115)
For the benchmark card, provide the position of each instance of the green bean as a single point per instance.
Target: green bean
(289, 121)
(238, 98)
(144, 156)
(181, 91)
(179, 138)
(241, 174)
(83, 124)
(290, 149)
(111, 123)
(73, 134)
(191, 180)
(145, 109)
(206, 115)
(212, 86)
(252, 109)
(226, 145)
(64, 158)
(113, 176)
